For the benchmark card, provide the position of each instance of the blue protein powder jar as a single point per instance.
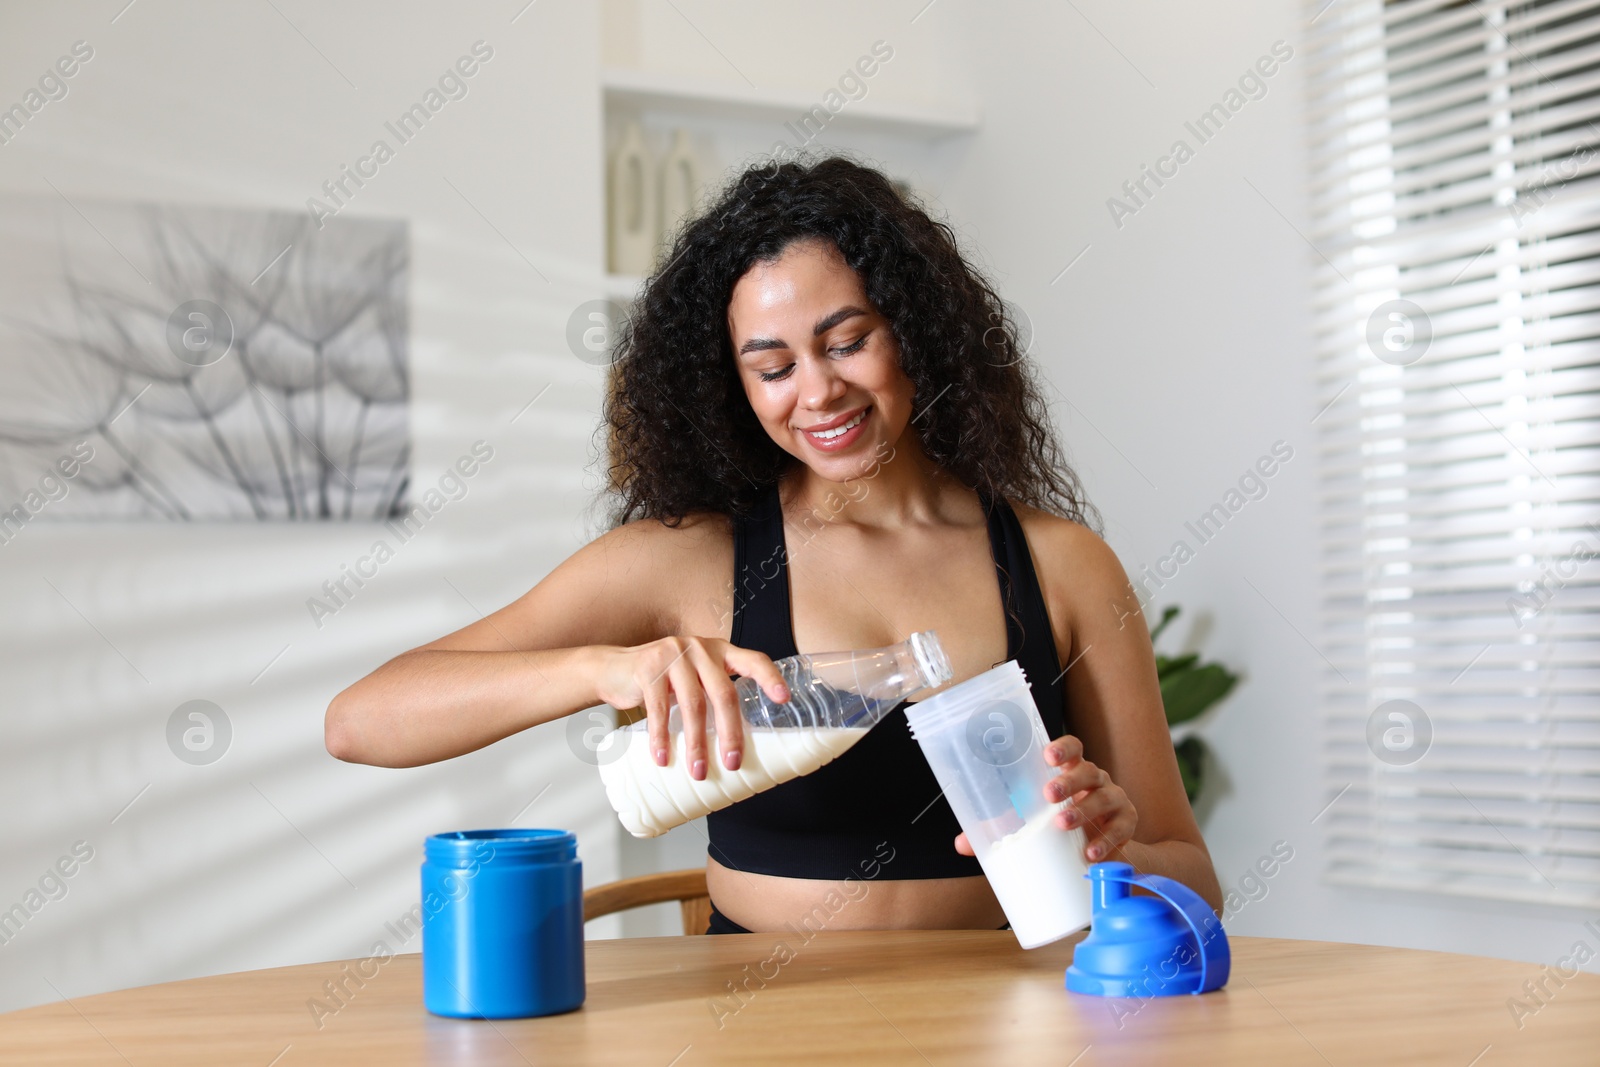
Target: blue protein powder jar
(502, 924)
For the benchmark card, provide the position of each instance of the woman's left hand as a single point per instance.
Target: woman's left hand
(1098, 804)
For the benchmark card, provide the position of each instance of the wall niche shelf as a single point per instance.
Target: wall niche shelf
(651, 90)
(666, 132)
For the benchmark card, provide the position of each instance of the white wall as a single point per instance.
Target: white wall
(1181, 340)
(1181, 343)
(244, 863)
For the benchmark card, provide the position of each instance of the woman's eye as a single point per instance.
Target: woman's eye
(844, 350)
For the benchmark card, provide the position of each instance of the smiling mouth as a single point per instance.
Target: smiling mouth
(840, 430)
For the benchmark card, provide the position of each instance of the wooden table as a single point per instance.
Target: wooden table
(878, 997)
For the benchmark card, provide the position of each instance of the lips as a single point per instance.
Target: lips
(840, 430)
(837, 433)
(836, 421)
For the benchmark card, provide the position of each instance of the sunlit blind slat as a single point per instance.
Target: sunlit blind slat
(1455, 192)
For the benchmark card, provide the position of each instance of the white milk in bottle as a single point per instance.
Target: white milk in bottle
(651, 800)
(834, 699)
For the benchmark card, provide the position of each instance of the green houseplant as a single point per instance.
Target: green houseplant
(1188, 688)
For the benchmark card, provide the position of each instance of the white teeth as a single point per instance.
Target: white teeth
(828, 435)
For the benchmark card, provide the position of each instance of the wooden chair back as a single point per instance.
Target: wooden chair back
(687, 887)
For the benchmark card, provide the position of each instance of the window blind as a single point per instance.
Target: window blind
(1455, 196)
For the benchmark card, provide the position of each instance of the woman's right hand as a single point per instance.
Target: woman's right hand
(695, 671)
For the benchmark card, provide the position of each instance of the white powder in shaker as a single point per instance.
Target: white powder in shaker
(1037, 871)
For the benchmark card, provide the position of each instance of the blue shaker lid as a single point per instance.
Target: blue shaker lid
(1157, 946)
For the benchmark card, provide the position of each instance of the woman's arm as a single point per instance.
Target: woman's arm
(434, 703)
(1119, 764)
(544, 656)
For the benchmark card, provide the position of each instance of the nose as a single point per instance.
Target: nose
(819, 388)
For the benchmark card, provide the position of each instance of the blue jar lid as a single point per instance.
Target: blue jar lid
(465, 848)
(1157, 946)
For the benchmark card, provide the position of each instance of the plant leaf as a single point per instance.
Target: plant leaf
(1166, 616)
(1166, 665)
(1187, 693)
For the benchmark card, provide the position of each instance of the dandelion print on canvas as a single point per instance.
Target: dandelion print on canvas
(200, 363)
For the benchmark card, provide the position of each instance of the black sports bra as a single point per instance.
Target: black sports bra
(877, 810)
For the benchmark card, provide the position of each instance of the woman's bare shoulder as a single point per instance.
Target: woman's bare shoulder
(653, 541)
(1077, 570)
(1068, 542)
(675, 569)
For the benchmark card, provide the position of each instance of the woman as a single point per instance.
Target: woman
(822, 436)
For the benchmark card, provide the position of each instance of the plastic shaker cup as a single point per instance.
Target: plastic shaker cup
(985, 741)
(502, 924)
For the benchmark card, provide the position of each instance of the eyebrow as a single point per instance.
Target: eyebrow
(823, 325)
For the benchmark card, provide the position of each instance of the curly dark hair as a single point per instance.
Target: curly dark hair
(681, 435)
